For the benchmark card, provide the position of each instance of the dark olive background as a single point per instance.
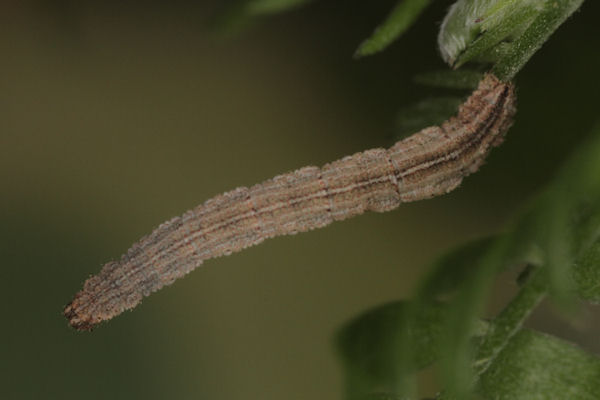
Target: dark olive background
(115, 117)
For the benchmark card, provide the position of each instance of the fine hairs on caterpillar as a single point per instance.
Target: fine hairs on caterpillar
(429, 163)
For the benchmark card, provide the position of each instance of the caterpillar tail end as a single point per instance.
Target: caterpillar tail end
(78, 319)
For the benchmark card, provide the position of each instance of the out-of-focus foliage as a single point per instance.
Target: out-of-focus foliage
(263, 7)
(425, 113)
(401, 18)
(240, 13)
(557, 237)
(535, 366)
(455, 79)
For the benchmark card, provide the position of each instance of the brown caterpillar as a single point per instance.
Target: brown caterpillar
(427, 164)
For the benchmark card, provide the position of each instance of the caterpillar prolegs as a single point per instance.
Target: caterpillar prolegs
(429, 163)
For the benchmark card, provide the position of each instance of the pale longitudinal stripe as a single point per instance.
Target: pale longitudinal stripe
(427, 164)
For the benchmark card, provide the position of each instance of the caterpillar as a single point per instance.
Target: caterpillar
(429, 163)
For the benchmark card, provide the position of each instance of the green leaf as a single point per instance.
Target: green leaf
(530, 365)
(381, 347)
(238, 16)
(536, 366)
(506, 32)
(523, 48)
(371, 345)
(487, 21)
(401, 18)
(265, 7)
(586, 274)
(513, 22)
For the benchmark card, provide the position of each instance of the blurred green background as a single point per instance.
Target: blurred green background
(114, 118)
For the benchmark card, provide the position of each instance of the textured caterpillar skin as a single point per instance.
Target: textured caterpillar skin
(427, 164)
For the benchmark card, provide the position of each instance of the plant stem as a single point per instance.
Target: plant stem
(507, 324)
(510, 320)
